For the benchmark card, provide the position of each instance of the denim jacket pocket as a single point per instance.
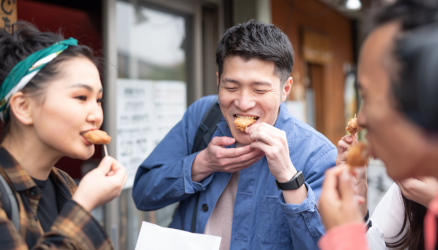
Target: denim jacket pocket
(273, 227)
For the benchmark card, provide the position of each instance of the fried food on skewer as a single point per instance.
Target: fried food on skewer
(353, 127)
(242, 123)
(357, 155)
(97, 137)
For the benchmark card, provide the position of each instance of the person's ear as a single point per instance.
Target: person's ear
(287, 88)
(20, 106)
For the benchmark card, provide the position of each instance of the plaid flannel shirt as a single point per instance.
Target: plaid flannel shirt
(74, 228)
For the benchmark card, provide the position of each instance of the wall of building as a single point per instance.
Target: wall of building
(244, 11)
(292, 17)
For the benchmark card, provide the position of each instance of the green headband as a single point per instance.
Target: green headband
(25, 70)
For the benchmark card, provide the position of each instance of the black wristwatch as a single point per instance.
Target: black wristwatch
(296, 182)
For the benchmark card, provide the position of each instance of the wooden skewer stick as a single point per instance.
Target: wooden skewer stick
(106, 154)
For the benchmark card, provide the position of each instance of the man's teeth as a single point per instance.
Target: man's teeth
(247, 117)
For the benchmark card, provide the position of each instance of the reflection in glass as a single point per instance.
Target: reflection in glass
(150, 43)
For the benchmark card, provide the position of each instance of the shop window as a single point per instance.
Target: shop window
(315, 96)
(154, 70)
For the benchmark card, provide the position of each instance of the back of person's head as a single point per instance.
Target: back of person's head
(414, 77)
(256, 40)
(415, 55)
(24, 40)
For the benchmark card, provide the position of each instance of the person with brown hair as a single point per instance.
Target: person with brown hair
(50, 95)
(398, 82)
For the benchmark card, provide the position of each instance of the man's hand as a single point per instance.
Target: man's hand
(343, 145)
(338, 204)
(421, 190)
(273, 142)
(217, 158)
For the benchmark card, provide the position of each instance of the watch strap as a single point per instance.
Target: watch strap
(296, 182)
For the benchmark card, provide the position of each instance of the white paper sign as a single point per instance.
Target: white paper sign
(169, 106)
(153, 237)
(146, 111)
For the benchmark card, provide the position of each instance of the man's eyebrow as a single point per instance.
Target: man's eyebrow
(254, 83)
(85, 86)
(230, 80)
(262, 83)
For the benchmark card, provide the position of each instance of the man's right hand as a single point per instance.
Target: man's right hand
(217, 158)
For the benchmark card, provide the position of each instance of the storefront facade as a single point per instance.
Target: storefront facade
(158, 57)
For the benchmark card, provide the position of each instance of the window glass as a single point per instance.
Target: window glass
(151, 44)
(153, 49)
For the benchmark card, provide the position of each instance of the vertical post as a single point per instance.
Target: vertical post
(8, 14)
(198, 74)
(110, 89)
(263, 11)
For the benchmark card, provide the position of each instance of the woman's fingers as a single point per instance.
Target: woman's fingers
(105, 165)
(347, 138)
(346, 187)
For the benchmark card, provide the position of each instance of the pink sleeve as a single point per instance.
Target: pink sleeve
(345, 237)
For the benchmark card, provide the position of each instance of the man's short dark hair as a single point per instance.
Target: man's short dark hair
(410, 13)
(257, 40)
(413, 61)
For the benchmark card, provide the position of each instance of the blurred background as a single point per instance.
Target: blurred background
(158, 57)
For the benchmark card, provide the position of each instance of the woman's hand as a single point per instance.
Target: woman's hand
(101, 185)
(421, 190)
(343, 145)
(361, 186)
(360, 173)
(338, 203)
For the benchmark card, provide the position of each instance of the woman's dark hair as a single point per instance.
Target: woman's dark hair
(24, 40)
(412, 236)
(260, 41)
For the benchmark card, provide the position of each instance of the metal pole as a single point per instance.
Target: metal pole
(110, 88)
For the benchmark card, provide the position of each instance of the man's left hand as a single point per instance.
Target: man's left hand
(273, 142)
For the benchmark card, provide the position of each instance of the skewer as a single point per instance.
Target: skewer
(105, 149)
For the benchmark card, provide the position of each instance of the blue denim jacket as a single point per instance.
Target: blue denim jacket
(261, 219)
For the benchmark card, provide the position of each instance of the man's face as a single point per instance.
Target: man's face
(393, 138)
(250, 88)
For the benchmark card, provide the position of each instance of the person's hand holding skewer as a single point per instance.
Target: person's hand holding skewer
(354, 158)
(106, 181)
(101, 138)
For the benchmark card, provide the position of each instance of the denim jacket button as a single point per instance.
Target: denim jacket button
(204, 207)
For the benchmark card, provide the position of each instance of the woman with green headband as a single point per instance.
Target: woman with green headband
(51, 94)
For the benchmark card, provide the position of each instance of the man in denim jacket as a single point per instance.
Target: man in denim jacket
(236, 175)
